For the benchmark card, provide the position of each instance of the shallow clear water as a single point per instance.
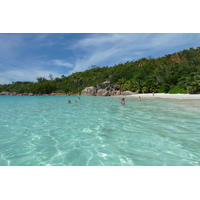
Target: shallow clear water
(45, 130)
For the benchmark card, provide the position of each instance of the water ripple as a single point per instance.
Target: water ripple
(97, 131)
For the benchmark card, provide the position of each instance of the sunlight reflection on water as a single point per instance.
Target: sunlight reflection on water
(38, 130)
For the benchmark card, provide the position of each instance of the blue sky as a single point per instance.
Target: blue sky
(24, 57)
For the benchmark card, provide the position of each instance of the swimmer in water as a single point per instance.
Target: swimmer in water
(139, 98)
(122, 101)
(69, 101)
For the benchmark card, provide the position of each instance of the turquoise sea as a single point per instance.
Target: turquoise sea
(97, 131)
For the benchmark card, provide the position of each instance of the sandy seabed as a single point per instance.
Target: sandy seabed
(184, 99)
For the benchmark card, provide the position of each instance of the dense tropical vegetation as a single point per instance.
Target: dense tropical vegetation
(173, 73)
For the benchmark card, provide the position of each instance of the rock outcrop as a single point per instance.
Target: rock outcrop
(5, 93)
(102, 92)
(127, 93)
(105, 89)
(89, 91)
(116, 87)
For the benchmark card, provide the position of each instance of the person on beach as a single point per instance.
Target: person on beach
(69, 101)
(153, 93)
(139, 98)
(122, 101)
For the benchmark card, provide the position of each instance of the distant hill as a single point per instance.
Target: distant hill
(173, 73)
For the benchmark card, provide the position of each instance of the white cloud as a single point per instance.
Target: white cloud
(27, 70)
(4, 80)
(97, 40)
(25, 75)
(62, 63)
(107, 49)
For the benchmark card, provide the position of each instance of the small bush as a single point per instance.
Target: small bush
(164, 88)
(177, 89)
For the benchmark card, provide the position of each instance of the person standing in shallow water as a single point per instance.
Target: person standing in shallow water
(122, 101)
(139, 98)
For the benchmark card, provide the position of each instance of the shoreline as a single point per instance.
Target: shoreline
(142, 95)
(166, 96)
(189, 100)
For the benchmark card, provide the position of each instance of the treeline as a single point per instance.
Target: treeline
(173, 73)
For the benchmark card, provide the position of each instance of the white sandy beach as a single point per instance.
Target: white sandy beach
(167, 96)
(192, 100)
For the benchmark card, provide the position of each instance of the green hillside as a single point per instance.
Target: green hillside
(174, 73)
